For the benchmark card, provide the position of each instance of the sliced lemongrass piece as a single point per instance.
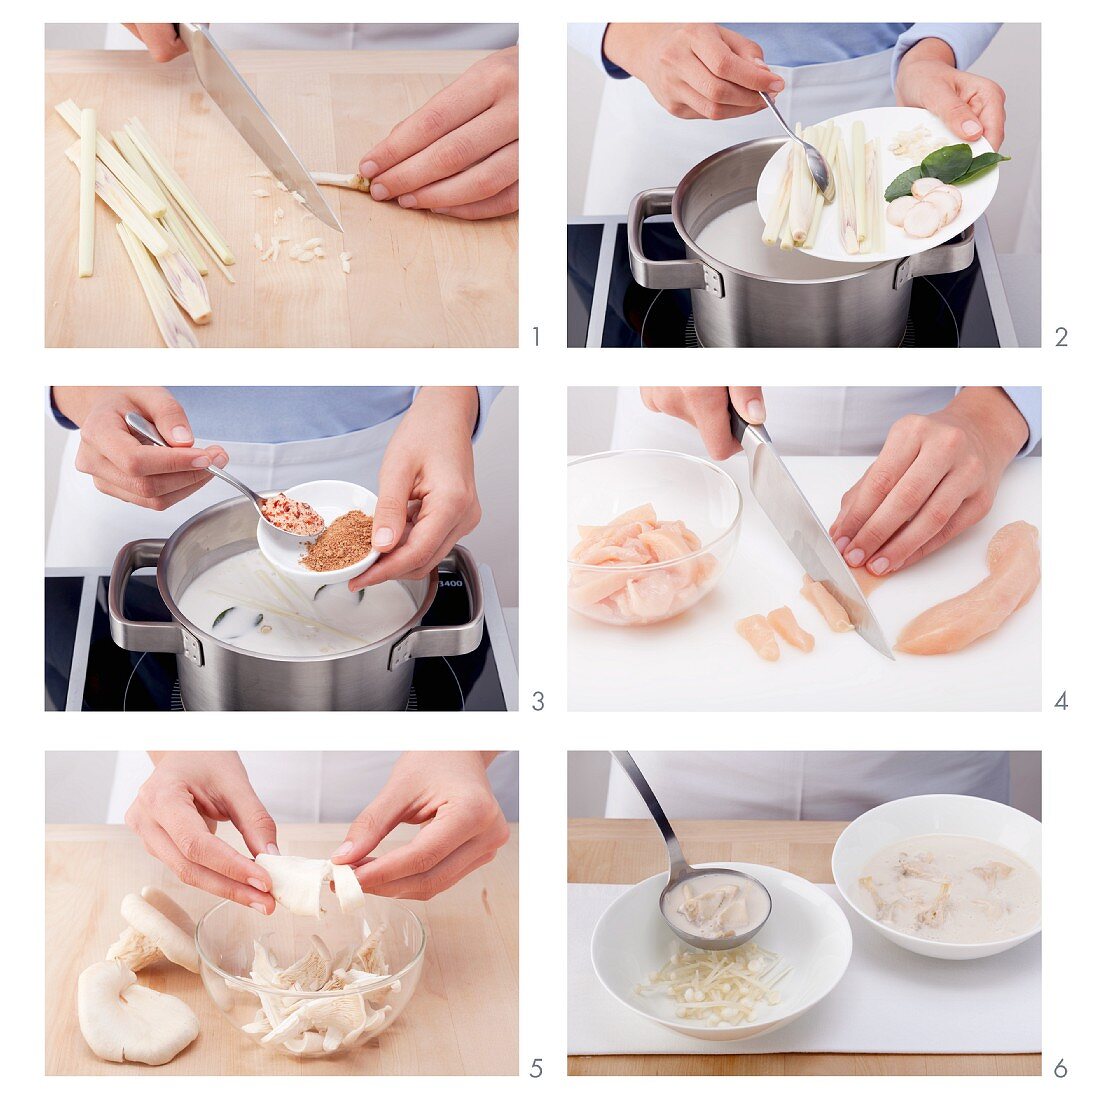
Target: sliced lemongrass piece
(121, 202)
(800, 198)
(879, 225)
(280, 185)
(170, 219)
(258, 193)
(258, 241)
(186, 286)
(85, 260)
(349, 180)
(298, 197)
(145, 198)
(345, 263)
(857, 153)
(825, 134)
(773, 228)
(844, 192)
(179, 191)
(204, 243)
(320, 252)
(314, 242)
(172, 326)
(305, 257)
(278, 214)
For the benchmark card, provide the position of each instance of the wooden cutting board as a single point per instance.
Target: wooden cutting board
(630, 851)
(462, 1018)
(417, 280)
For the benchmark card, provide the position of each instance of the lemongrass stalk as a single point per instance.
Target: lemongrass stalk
(179, 191)
(172, 325)
(201, 240)
(870, 244)
(122, 203)
(186, 286)
(844, 193)
(169, 219)
(879, 225)
(145, 198)
(85, 265)
(800, 199)
(772, 229)
(352, 181)
(824, 144)
(857, 140)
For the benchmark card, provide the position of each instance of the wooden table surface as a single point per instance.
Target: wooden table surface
(462, 1018)
(629, 851)
(418, 279)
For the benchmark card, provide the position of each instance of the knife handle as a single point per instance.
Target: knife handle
(747, 435)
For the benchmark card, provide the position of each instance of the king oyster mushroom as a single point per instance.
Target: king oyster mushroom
(126, 1022)
(297, 882)
(347, 887)
(158, 928)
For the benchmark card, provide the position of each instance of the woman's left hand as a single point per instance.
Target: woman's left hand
(970, 105)
(426, 486)
(935, 476)
(459, 154)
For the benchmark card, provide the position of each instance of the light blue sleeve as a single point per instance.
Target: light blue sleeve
(968, 40)
(1027, 400)
(587, 38)
(486, 397)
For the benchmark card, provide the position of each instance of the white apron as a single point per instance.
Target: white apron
(800, 786)
(802, 420)
(89, 528)
(638, 144)
(302, 787)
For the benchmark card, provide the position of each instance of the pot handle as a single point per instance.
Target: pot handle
(447, 641)
(134, 636)
(944, 259)
(664, 274)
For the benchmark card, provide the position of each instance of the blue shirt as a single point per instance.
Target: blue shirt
(794, 44)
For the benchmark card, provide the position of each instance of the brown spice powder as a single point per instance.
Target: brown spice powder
(346, 541)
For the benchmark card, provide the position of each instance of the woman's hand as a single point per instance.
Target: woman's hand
(459, 154)
(462, 826)
(161, 39)
(694, 70)
(971, 106)
(118, 463)
(427, 473)
(175, 816)
(935, 476)
(707, 409)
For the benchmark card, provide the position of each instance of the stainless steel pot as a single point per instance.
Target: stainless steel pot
(734, 308)
(214, 675)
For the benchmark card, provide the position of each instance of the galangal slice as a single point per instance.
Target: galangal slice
(1013, 563)
(785, 623)
(756, 631)
(833, 612)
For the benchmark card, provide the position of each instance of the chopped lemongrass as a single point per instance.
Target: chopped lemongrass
(186, 286)
(172, 326)
(180, 192)
(861, 210)
(204, 243)
(772, 230)
(800, 196)
(280, 186)
(305, 257)
(352, 181)
(170, 219)
(278, 214)
(258, 241)
(295, 251)
(320, 253)
(268, 254)
(345, 255)
(880, 224)
(870, 197)
(145, 198)
(844, 192)
(299, 198)
(825, 135)
(345, 263)
(263, 175)
(313, 242)
(258, 193)
(85, 261)
(121, 202)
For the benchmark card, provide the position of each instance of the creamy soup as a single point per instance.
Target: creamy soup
(244, 601)
(955, 889)
(717, 906)
(735, 238)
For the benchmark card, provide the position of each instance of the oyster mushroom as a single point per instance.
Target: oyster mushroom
(310, 973)
(898, 209)
(347, 887)
(948, 200)
(154, 932)
(922, 187)
(297, 882)
(126, 1022)
(924, 219)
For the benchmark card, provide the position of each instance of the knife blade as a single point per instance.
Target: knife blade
(231, 93)
(786, 507)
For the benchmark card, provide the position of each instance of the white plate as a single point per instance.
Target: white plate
(884, 123)
(806, 927)
(330, 499)
(954, 814)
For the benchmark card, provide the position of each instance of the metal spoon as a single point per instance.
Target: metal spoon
(148, 435)
(817, 165)
(680, 870)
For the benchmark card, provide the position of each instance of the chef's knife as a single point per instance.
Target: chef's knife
(230, 92)
(779, 496)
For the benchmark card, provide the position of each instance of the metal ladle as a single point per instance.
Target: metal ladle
(148, 434)
(817, 164)
(680, 870)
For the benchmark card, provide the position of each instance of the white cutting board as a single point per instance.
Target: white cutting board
(697, 661)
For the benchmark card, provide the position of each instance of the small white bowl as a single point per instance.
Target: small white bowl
(921, 815)
(330, 499)
(806, 927)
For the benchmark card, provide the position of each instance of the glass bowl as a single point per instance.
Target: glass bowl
(309, 1024)
(679, 487)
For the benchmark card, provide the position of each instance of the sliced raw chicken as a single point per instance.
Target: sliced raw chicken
(756, 631)
(785, 623)
(833, 612)
(1013, 563)
(868, 582)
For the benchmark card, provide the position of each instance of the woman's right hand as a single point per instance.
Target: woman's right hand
(707, 409)
(119, 465)
(161, 39)
(693, 70)
(175, 816)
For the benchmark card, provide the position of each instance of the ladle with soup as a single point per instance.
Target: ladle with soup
(711, 908)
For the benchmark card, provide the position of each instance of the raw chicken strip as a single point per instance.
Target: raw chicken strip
(868, 582)
(833, 612)
(756, 631)
(785, 623)
(1013, 563)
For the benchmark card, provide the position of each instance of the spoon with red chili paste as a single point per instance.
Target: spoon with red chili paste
(282, 513)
